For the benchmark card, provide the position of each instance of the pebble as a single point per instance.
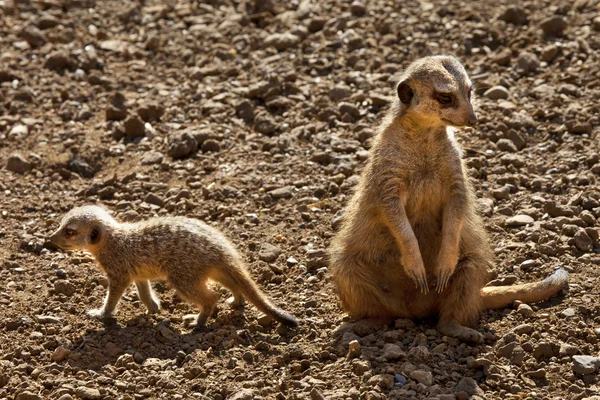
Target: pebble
(585, 364)
(134, 127)
(469, 386)
(518, 221)
(514, 15)
(353, 349)
(18, 132)
(543, 350)
(392, 351)
(424, 377)
(549, 52)
(506, 145)
(567, 313)
(116, 110)
(269, 253)
(211, 145)
(282, 41)
(419, 354)
(583, 241)
(496, 93)
(527, 265)
(358, 8)
(18, 164)
(151, 198)
(527, 62)
(64, 286)
(523, 329)
(88, 393)
(282, 193)
(60, 353)
(384, 381)
(27, 395)
(554, 25)
(48, 319)
(525, 310)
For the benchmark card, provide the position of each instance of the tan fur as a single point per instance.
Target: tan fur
(412, 224)
(184, 251)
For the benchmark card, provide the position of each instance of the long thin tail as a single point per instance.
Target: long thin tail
(239, 280)
(503, 296)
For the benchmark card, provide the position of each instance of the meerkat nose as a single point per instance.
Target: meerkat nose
(472, 119)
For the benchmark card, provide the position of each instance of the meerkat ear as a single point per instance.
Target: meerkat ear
(95, 236)
(405, 92)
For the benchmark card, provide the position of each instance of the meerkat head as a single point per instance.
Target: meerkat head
(437, 91)
(83, 228)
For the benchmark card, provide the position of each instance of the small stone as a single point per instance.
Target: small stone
(514, 15)
(282, 41)
(64, 286)
(58, 60)
(568, 313)
(542, 350)
(525, 310)
(496, 93)
(419, 354)
(48, 319)
(60, 353)
(596, 23)
(567, 349)
(116, 110)
(181, 145)
(269, 253)
(210, 145)
(503, 57)
(282, 193)
(384, 381)
(291, 262)
(585, 364)
(88, 393)
(518, 221)
(151, 112)
(315, 394)
(353, 349)
(18, 131)
(112, 350)
(523, 329)
(549, 53)
(350, 109)
(152, 157)
(527, 62)
(134, 127)
(33, 36)
(66, 396)
(469, 386)
(583, 241)
(424, 377)
(554, 25)
(392, 351)
(151, 198)
(527, 265)
(27, 395)
(18, 164)
(358, 8)
(400, 380)
(506, 145)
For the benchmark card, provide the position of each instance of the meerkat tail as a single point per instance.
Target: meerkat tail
(503, 296)
(243, 284)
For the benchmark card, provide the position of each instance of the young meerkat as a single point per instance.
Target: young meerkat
(412, 222)
(184, 251)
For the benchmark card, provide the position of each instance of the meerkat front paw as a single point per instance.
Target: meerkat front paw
(153, 307)
(446, 268)
(99, 314)
(416, 271)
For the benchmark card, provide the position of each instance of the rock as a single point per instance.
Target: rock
(210, 145)
(151, 198)
(27, 395)
(244, 394)
(152, 157)
(63, 286)
(392, 351)
(502, 57)
(419, 354)
(315, 394)
(568, 350)
(384, 381)
(469, 386)
(245, 110)
(60, 353)
(150, 112)
(554, 25)
(518, 221)
(585, 364)
(527, 265)
(596, 23)
(316, 259)
(358, 8)
(18, 164)
(496, 93)
(33, 36)
(424, 377)
(506, 145)
(350, 109)
(543, 350)
(269, 253)
(47, 21)
(282, 193)
(88, 393)
(523, 329)
(514, 15)
(567, 313)
(181, 145)
(282, 41)
(525, 310)
(549, 52)
(18, 132)
(527, 62)
(353, 349)
(59, 61)
(583, 241)
(134, 127)
(116, 110)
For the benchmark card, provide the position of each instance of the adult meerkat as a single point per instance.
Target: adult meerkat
(184, 251)
(412, 221)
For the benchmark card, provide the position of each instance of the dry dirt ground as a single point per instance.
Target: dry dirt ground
(256, 117)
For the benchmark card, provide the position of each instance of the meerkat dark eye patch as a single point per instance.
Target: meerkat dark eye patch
(445, 99)
(405, 93)
(95, 236)
(69, 232)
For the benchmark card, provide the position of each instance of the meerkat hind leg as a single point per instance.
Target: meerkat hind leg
(362, 324)
(203, 297)
(235, 301)
(147, 296)
(451, 327)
